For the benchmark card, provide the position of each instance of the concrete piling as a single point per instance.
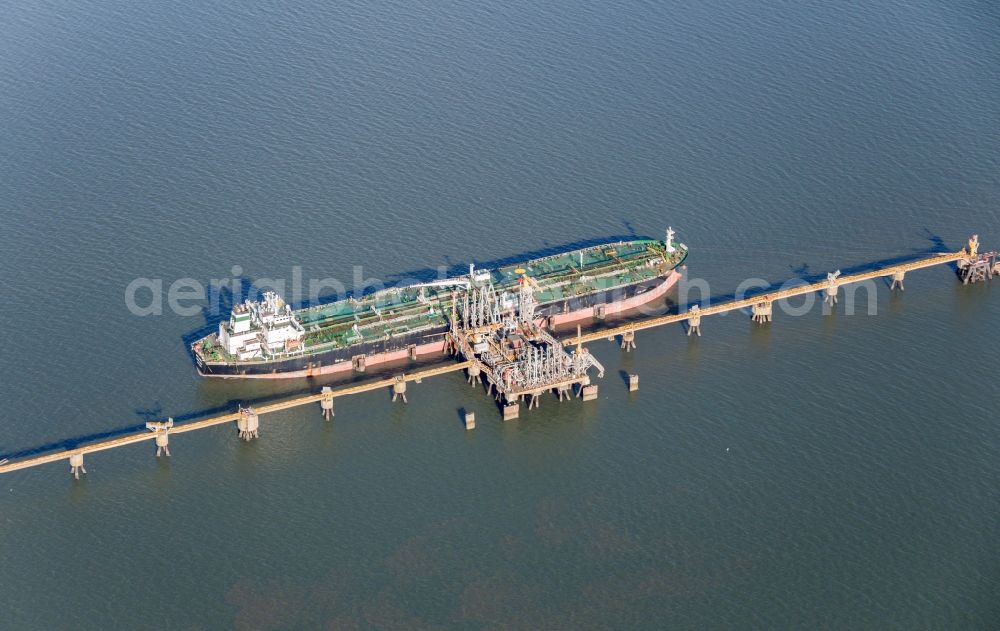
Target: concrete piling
(761, 312)
(589, 393)
(897, 281)
(511, 411)
(248, 424)
(470, 420)
(162, 446)
(76, 465)
(694, 321)
(628, 341)
(161, 429)
(399, 389)
(831, 296)
(474, 374)
(831, 289)
(326, 404)
(633, 383)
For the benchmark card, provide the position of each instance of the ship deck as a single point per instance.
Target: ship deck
(580, 272)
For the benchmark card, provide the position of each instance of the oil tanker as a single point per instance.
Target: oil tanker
(267, 339)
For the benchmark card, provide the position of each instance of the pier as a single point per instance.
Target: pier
(516, 356)
(971, 269)
(158, 431)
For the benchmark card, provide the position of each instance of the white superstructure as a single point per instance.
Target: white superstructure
(258, 328)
